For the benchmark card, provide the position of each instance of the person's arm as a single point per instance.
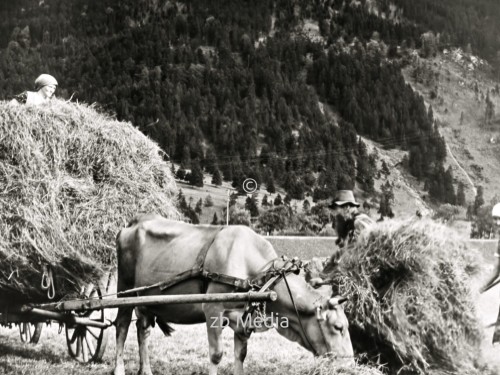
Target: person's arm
(362, 222)
(20, 99)
(491, 281)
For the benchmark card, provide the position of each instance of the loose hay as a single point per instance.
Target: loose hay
(410, 304)
(329, 366)
(70, 178)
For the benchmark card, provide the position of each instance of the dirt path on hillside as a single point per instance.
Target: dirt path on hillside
(459, 166)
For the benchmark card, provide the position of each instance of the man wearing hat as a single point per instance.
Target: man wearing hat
(45, 86)
(349, 223)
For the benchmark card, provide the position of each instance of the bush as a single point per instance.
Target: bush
(447, 212)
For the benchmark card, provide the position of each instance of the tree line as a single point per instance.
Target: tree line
(230, 88)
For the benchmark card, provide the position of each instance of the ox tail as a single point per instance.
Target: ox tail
(164, 326)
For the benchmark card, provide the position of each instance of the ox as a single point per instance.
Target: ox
(152, 249)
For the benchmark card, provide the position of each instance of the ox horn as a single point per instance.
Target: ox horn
(319, 315)
(336, 301)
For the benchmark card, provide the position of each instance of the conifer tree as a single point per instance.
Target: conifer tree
(479, 200)
(251, 205)
(216, 177)
(215, 219)
(180, 174)
(449, 190)
(265, 203)
(270, 185)
(278, 200)
(181, 201)
(287, 200)
(385, 207)
(461, 195)
(196, 176)
(198, 208)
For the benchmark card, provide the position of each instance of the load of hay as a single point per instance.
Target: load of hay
(70, 179)
(411, 306)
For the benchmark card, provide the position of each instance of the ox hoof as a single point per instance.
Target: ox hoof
(119, 370)
(145, 372)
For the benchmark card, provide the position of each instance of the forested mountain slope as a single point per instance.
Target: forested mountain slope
(466, 101)
(232, 87)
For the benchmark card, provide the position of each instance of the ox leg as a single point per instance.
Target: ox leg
(144, 323)
(233, 319)
(240, 352)
(240, 340)
(122, 323)
(215, 324)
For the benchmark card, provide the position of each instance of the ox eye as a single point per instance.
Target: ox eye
(338, 327)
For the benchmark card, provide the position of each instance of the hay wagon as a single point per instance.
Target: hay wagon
(86, 319)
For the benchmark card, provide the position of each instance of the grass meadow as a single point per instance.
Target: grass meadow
(184, 353)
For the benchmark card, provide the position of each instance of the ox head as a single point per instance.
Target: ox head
(320, 326)
(334, 327)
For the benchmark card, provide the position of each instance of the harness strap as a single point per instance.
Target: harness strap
(200, 259)
(298, 316)
(237, 282)
(196, 271)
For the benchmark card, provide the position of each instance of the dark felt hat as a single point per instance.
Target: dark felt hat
(342, 198)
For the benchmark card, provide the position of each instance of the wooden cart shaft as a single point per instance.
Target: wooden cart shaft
(98, 304)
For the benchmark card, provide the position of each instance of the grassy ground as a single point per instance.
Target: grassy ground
(304, 248)
(185, 353)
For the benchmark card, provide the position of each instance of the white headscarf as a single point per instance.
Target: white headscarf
(44, 80)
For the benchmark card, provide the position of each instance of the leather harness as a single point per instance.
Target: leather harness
(265, 278)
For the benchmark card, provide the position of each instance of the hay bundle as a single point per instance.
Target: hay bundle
(70, 178)
(410, 298)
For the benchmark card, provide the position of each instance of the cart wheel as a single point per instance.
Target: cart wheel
(30, 332)
(87, 344)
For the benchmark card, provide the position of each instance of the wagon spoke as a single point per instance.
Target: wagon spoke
(85, 352)
(73, 337)
(93, 334)
(90, 346)
(78, 346)
(23, 330)
(86, 343)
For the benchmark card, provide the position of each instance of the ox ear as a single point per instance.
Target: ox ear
(336, 301)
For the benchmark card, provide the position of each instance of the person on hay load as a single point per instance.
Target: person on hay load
(493, 280)
(349, 223)
(45, 86)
